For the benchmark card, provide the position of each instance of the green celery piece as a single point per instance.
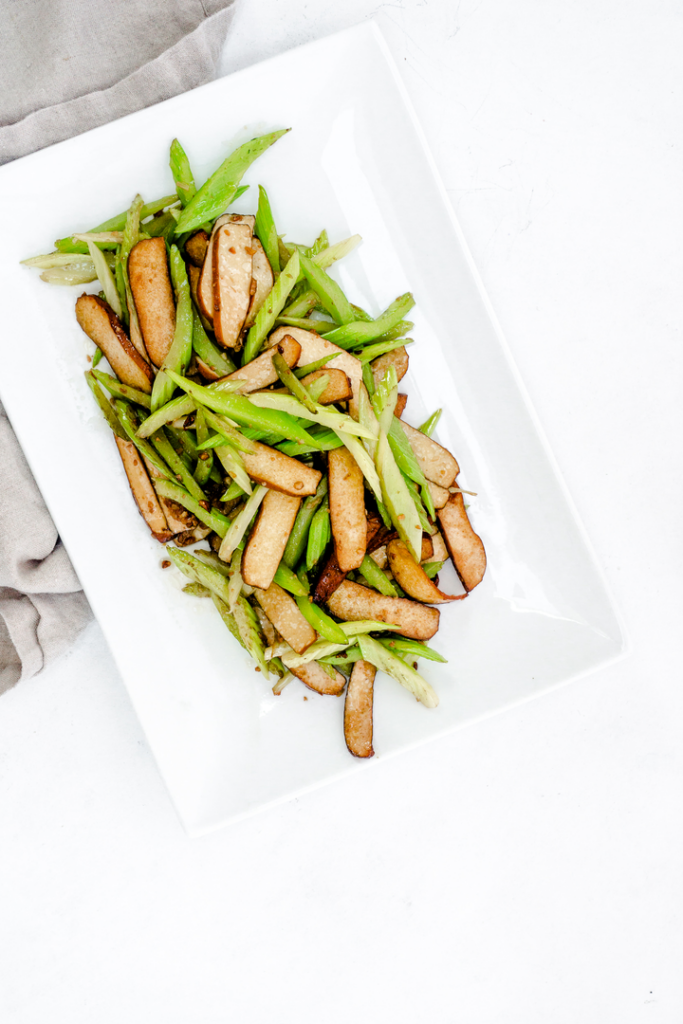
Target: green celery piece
(336, 252)
(302, 305)
(319, 649)
(182, 173)
(317, 364)
(160, 226)
(318, 387)
(240, 524)
(219, 190)
(419, 507)
(212, 559)
(248, 628)
(233, 465)
(296, 543)
(408, 464)
(119, 390)
(360, 314)
(376, 578)
(319, 535)
(325, 441)
(184, 405)
(183, 443)
(198, 571)
(241, 409)
(321, 243)
(347, 657)
(209, 353)
(236, 583)
(120, 283)
(292, 382)
(131, 235)
(384, 399)
(432, 568)
(322, 623)
(269, 311)
(368, 379)
(105, 277)
(204, 465)
(196, 590)
(265, 230)
(233, 491)
(116, 223)
(108, 411)
(231, 434)
(318, 326)
(176, 464)
(329, 292)
(129, 423)
(399, 331)
(429, 425)
(380, 348)
(383, 659)
(360, 332)
(411, 649)
(214, 441)
(180, 352)
(288, 580)
(96, 359)
(323, 415)
(397, 498)
(228, 618)
(215, 520)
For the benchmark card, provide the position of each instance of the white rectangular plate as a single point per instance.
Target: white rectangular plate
(355, 161)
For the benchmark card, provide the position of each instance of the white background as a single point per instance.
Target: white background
(528, 868)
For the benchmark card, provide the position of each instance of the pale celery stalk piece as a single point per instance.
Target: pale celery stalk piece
(105, 277)
(59, 259)
(247, 625)
(336, 252)
(397, 498)
(240, 523)
(367, 419)
(326, 417)
(75, 273)
(177, 408)
(318, 387)
(100, 236)
(235, 580)
(232, 463)
(395, 667)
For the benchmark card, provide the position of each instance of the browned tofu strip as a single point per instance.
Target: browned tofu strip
(412, 578)
(206, 371)
(398, 358)
(205, 289)
(262, 276)
(347, 509)
(339, 388)
(401, 403)
(143, 492)
(314, 347)
(102, 326)
(283, 612)
(464, 545)
(358, 709)
(196, 248)
(279, 471)
(440, 552)
(439, 494)
(268, 538)
(232, 266)
(436, 463)
(316, 678)
(150, 284)
(427, 552)
(260, 372)
(351, 602)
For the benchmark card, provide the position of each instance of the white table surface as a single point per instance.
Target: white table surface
(528, 868)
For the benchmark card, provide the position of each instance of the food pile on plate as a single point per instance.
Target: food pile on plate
(257, 414)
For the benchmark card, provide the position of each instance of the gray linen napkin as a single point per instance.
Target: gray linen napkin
(67, 66)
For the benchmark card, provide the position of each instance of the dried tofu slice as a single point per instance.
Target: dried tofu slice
(464, 545)
(196, 248)
(439, 494)
(232, 267)
(436, 463)
(401, 403)
(358, 709)
(313, 347)
(143, 492)
(412, 578)
(283, 611)
(347, 509)
(102, 326)
(150, 283)
(316, 677)
(205, 287)
(351, 602)
(279, 471)
(338, 389)
(263, 281)
(260, 372)
(268, 539)
(398, 358)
